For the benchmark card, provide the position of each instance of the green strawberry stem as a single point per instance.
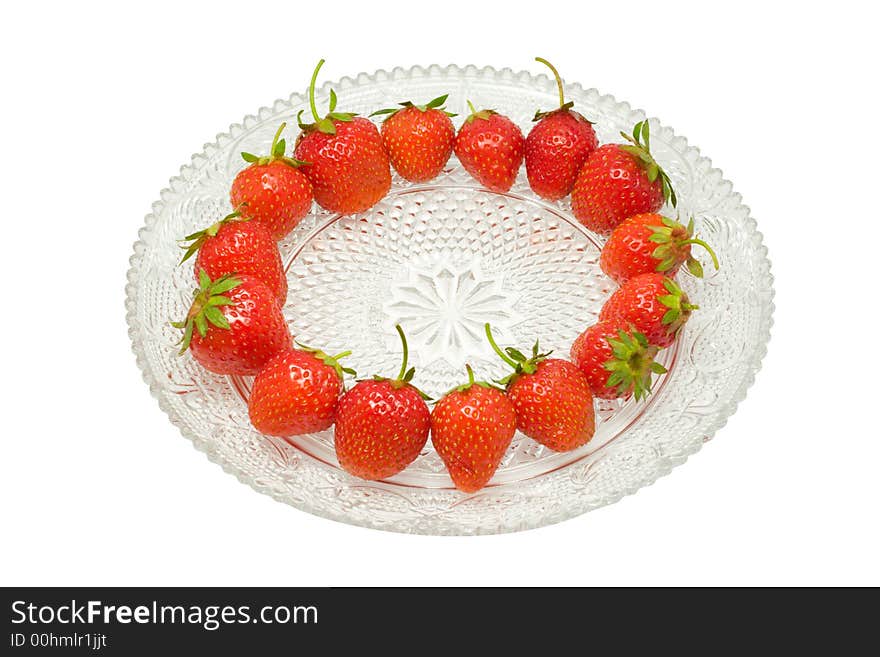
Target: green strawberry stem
(341, 355)
(558, 79)
(402, 373)
(471, 107)
(312, 104)
(516, 359)
(470, 371)
(405, 376)
(275, 138)
(497, 349)
(324, 124)
(708, 248)
(563, 106)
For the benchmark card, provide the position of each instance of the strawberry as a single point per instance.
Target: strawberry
(551, 397)
(651, 243)
(382, 424)
(272, 190)
(471, 428)
(490, 148)
(557, 147)
(348, 164)
(617, 360)
(297, 392)
(234, 325)
(618, 181)
(418, 138)
(235, 246)
(653, 304)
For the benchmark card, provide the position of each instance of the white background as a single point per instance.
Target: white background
(103, 103)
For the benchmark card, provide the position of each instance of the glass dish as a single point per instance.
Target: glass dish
(442, 259)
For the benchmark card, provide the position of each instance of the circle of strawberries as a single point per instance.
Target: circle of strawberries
(344, 163)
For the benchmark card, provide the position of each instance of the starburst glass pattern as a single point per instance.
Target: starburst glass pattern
(445, 307)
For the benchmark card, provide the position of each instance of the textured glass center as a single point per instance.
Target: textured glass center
(445, 307)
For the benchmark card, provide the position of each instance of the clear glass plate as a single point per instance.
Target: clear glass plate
(442, 259)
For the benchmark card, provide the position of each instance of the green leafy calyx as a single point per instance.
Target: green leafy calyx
(679, 307)
(193, 242)
(332, 361)
(205, 308)
(276, 152)
(325, 124)
(475, 114)
(436, 104)
(516, 359)
(632, 364)
(471, 382)
(640, 147)
(672, 240)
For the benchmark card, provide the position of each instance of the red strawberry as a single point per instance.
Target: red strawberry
(418, 138)
(653, 304)
(348, 165)
(651, 243)
(235, 246)
(618, 181)
(551, 396)
(471, 428)
(490, 148)
(234, 325)
(296, 393)
(272, 190)
(616, 360)
(557, 147)
(382, 424)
